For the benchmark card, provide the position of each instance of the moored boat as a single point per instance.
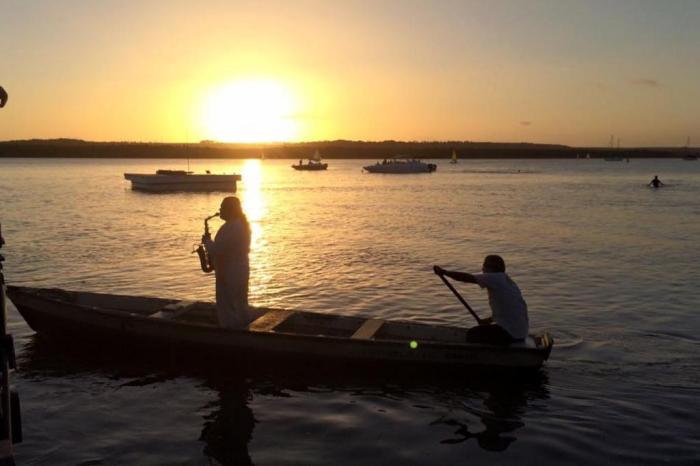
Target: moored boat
(181, 180)
(400, 166)
(180, 325)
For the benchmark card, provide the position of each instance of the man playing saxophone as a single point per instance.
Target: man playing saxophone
(228, 253)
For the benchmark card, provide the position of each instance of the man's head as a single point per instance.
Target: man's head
(230, 208)
(493, 264)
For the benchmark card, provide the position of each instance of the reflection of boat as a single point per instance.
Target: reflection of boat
(690, 158)
(397, 165)
(313, 165)
(279, 333)
(454, 157)
(181, 180)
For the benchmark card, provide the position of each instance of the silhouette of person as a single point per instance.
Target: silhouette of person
(656, 182)
(501, 415)
(229, 428)
(509, 320)
(229, 252)
(3, 97)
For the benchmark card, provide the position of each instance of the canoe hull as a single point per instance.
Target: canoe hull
(67, 320)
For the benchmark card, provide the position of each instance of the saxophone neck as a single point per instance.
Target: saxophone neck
(206, 222)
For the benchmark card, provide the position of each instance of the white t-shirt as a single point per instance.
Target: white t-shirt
(508, 307)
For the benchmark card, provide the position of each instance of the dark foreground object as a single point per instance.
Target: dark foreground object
(278, 334)
(10, 421)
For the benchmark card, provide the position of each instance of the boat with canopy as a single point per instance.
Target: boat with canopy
(182, 180)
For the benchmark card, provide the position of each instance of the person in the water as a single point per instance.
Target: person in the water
(656, 182)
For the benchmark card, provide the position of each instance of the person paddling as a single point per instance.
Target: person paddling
(509, 320)
(656, 182)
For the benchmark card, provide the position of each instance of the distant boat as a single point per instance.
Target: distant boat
(614, 158)
(400, 166)
(689, 157)
(454, 157)
(314, 163)
(181, 180)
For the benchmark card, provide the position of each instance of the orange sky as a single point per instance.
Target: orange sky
(537, 71)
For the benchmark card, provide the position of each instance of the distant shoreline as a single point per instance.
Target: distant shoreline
(341, 149)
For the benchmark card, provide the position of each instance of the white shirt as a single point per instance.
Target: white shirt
(229, 251)
(508, 307)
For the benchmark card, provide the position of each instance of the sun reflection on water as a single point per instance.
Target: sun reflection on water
(255, 208)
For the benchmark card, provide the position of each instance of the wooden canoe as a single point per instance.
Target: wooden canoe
(275, 332)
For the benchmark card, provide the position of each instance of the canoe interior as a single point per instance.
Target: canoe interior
(271, 320)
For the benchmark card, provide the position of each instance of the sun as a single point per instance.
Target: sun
(253, 110)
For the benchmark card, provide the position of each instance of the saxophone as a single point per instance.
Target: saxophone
(204, 260)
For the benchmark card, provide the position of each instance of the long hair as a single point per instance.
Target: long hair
(231, 209)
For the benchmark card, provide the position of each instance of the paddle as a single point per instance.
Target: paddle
(459, 296)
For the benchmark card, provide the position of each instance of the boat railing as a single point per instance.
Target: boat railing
(10, 420)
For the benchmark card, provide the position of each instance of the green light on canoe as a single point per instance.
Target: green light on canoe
(413, 344)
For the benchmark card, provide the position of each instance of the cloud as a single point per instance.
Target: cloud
(526, 123)
(646, 82)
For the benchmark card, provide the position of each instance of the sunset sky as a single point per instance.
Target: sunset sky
(571, 72)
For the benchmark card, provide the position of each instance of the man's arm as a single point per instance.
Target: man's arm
(459, 276)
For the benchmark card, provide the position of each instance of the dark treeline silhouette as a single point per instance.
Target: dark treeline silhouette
(339, 149)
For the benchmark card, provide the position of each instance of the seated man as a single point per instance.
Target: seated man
(508, 321)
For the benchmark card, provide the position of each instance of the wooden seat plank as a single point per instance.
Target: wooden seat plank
(268, 321)
(368, 329)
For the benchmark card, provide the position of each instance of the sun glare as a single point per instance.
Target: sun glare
(256, 110)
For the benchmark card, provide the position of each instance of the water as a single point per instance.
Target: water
(607, 265)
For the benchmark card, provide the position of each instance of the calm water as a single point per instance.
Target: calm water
(608, 266)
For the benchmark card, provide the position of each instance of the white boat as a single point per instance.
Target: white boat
(181, 180)
(454, 157)
(397, 165)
